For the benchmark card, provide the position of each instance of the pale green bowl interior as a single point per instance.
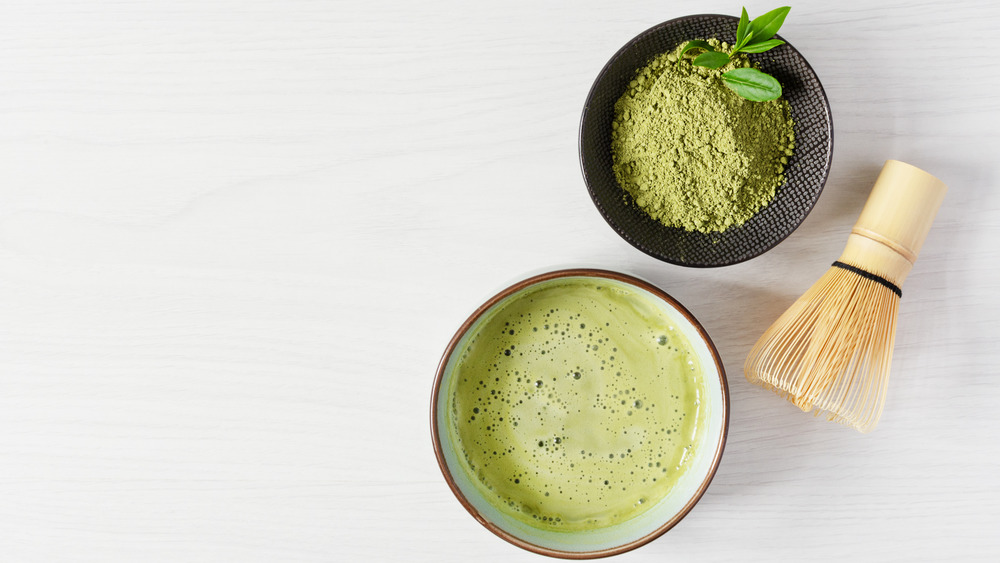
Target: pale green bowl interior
(665, 513)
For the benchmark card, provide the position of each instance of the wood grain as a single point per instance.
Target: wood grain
(235, 238)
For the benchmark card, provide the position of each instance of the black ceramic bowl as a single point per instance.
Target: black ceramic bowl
(805, 174)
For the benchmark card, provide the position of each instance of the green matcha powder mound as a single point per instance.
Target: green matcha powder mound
(691, 152)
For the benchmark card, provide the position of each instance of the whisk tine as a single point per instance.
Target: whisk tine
(832, 349)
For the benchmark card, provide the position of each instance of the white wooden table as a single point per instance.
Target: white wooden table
(235, 238)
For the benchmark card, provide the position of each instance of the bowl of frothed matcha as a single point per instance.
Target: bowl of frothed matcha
(580, 413)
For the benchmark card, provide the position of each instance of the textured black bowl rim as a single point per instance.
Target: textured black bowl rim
(623, 232)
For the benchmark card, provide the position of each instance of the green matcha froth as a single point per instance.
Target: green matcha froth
(691, 152)
(575, 404)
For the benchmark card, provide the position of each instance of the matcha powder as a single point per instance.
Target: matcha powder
(691, 152)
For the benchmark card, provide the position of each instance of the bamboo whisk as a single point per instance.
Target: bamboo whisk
(832, 348)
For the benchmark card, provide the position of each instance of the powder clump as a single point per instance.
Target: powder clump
(691, 152)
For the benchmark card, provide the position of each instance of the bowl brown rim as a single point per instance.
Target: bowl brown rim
(521, 285)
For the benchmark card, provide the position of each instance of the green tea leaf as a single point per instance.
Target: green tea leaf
(746, 39)
(764, 27)
(752, 84)
(696, 44)
(741, 29)
(711, 59)
(762, 46)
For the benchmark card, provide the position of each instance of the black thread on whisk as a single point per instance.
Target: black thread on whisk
(868, 275)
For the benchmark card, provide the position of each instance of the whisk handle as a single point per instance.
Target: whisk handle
(901, 208)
